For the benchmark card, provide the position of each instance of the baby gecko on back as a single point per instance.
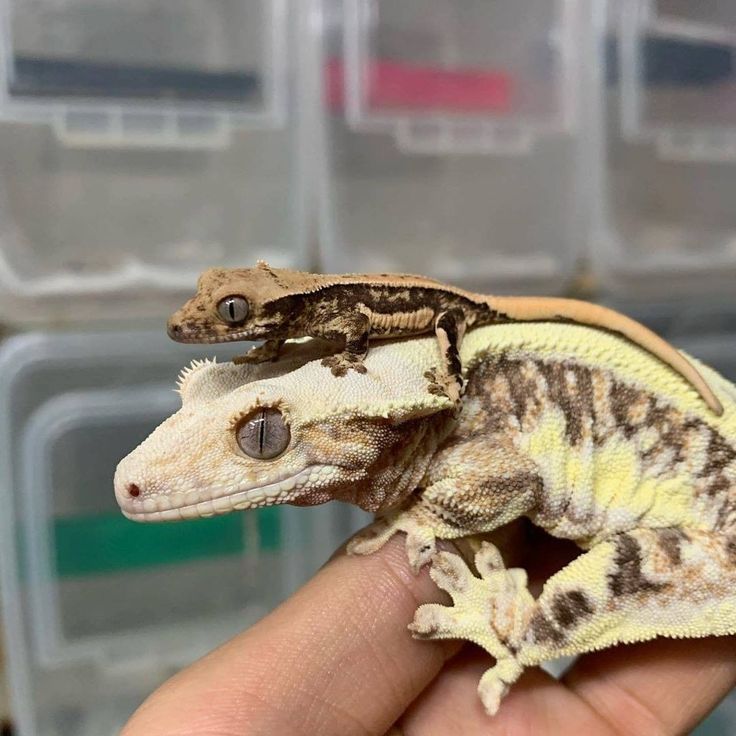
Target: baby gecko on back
(276, 304)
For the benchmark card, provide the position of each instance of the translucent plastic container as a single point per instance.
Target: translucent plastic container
(669, 219)
(451, 138)
(141, 142)
(98, 610)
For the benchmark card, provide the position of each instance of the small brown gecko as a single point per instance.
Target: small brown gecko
(276, 304)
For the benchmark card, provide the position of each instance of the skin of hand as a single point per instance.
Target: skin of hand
(336, 659)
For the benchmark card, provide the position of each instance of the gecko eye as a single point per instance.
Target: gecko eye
(233, 309)
(263, 434)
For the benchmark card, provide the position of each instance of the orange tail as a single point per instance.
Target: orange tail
(546, 309)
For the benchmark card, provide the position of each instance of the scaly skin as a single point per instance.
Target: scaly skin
(351, 309)
(582, 432)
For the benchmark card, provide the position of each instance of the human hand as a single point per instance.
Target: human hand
(337, 659)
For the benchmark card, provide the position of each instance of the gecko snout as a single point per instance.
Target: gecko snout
(174, 329)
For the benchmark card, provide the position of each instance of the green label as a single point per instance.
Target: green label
(88, 545)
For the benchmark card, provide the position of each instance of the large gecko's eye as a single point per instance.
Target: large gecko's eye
(233, 309)
(263, 434)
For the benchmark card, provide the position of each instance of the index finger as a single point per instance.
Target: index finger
(336, 658)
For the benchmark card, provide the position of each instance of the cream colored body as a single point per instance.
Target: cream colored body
(586, 434)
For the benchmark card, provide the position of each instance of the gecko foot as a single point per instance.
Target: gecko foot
(442, 384)
(491, 611)
(261, 354)
(420, 539)
(341, 363)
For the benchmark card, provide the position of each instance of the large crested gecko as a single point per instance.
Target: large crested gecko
(275, 304)
(582, 432)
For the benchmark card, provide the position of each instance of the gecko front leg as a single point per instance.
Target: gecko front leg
(423, 524)
(354, 331)
(492, 610)
(262, 354)
(457, 501)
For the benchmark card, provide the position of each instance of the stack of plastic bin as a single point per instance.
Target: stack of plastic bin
(668, 215)
(139, 143)
(98, 609)
(451, 135)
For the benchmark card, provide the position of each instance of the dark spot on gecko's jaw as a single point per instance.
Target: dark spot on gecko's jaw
(133, 490)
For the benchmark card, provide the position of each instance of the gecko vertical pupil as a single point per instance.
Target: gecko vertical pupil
(233, 309)
(263, 434)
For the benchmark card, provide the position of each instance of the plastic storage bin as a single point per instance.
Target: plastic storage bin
(98, 610)
(669, 219)
(451, 139)
(140, 143)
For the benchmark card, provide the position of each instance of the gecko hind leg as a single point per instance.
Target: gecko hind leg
(635, 586)
(447, 381)
(422, 527)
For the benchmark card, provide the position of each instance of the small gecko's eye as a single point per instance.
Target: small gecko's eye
(233, 309)
(263, 434)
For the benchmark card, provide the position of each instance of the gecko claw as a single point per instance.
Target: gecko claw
(341, 363)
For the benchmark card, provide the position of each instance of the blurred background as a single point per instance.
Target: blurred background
(530, 146)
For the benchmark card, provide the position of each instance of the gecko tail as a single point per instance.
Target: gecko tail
(555, 309)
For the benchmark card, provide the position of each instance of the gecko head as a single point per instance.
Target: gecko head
(234, 304)
(240, 443)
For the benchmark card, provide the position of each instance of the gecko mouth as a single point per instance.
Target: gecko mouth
(179, 334)
(181, 505)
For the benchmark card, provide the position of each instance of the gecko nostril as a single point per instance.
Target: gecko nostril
(134, 490)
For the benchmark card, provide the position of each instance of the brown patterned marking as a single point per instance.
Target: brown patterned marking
(628, 579)
(543, 630)
(731, 549)
(719, 484)
(522, 389)
(672, 430)
(719, 454)
(568, 608)
(621, 398)
(469, 506)
(585, 391)
(560, 395)
(670, 540)
(577, 402)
